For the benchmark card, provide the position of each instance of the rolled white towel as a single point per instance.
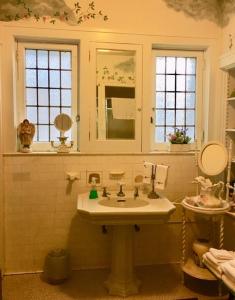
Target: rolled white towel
(222, 254)
(228, 269)
(161, 177)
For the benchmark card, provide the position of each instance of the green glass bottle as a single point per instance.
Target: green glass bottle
(93, 194)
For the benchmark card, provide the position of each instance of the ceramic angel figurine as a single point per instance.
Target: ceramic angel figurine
(25, 133)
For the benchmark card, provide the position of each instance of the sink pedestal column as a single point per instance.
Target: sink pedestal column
(122, 281)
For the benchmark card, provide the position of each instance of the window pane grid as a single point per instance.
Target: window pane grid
(53, 92)
(175, 96)
(47, 69)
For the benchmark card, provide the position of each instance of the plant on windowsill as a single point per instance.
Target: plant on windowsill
(179, 140)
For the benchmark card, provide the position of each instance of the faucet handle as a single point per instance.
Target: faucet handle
(105, 193)
(136, 191)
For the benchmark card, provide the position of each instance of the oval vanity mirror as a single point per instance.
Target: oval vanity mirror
(63, 122)
(213, 158)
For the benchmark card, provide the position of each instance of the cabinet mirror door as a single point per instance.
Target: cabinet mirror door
(116, 101)
(115, 94)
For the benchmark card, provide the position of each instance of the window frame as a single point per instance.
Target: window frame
(21, 102)
(199, 95)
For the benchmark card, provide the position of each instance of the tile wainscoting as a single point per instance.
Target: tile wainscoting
(40, 209)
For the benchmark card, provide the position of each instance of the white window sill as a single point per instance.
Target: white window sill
(154, 153)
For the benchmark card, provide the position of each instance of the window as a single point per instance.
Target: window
(177, 95)
(48, 88)
(114, 110)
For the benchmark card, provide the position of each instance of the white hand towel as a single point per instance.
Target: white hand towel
(228, 270)
(147, 174)
(123, 108)
(222, 254)
(161, 177)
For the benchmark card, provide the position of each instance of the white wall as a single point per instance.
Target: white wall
(39, 215)
(151, 17)
(225, 48)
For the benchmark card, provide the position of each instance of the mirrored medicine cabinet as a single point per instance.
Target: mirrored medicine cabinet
(115, 97)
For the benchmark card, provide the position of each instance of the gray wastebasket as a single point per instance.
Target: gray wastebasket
(56, 266)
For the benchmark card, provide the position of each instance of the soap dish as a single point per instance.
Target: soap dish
(116, 174)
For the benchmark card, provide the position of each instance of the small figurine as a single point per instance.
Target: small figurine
(25, 133)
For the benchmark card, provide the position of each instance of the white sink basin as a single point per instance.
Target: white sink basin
(113, 211)
(127, 202)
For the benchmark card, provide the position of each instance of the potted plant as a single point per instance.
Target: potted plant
(179, 140)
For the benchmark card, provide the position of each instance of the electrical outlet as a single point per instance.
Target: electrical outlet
(97, 174)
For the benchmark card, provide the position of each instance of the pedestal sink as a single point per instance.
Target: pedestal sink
(122, 214)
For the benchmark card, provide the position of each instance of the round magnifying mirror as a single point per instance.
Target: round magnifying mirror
(63, 122)
(213, 158)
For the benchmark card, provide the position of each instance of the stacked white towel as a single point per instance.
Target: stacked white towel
(228, 268)
(222, 264)
(161, 177)
(211, 262)
(215, 258)
(221, 254)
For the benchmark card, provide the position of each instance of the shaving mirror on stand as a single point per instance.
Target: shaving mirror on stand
(63, 123)
(213, 160)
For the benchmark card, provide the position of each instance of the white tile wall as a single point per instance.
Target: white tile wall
(40, 210)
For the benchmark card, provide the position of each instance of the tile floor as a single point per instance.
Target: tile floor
(161, 282)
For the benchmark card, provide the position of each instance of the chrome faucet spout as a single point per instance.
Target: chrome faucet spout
(121, 193)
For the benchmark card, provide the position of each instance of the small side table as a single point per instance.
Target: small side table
(188, 265)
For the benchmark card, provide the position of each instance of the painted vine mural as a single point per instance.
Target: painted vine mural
(217, 11)
(49, 11)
